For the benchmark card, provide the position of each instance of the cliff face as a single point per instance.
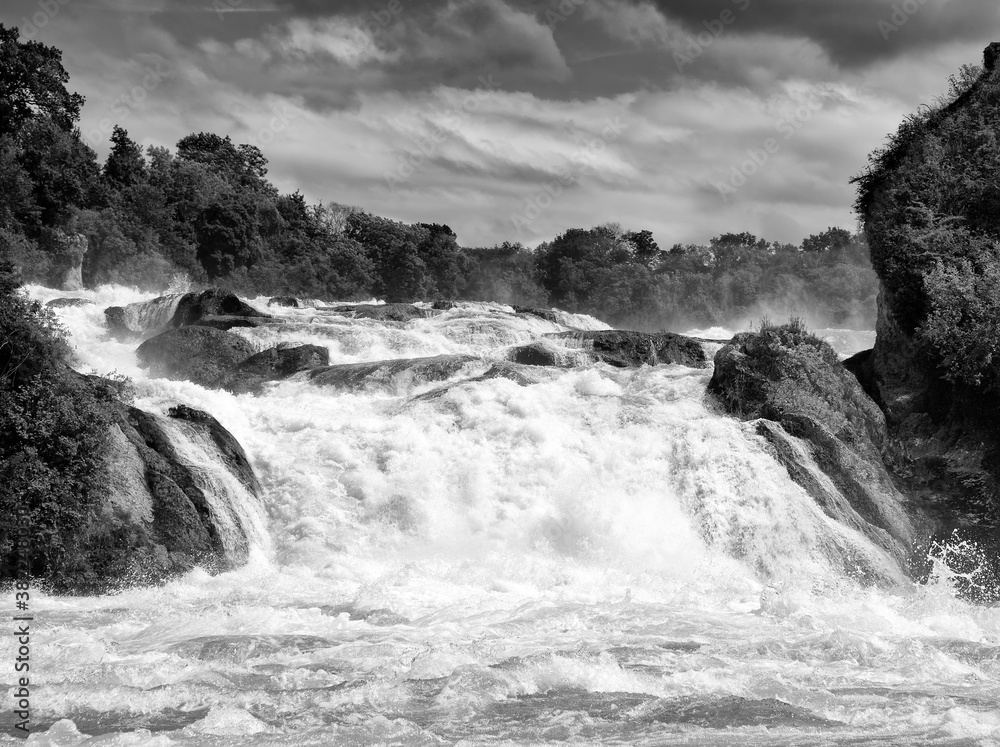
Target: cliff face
(931, 208)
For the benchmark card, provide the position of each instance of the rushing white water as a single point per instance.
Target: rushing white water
(595, 558)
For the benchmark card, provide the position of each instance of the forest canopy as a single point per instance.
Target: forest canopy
(205, 212)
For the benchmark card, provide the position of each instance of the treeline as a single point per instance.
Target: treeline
(206, 213)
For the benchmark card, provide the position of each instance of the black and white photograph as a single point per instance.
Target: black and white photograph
(500, 373)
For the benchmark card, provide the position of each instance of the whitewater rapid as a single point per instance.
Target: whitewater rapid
(597, 557)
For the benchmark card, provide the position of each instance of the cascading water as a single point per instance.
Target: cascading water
(596, 557)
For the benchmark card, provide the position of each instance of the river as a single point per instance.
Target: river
(595, 558)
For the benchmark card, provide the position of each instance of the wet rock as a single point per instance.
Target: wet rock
(226, 323)
(287, 301)
(230, 450)
(548, 315)
(212, 307)
(391, 374)
(156, 521)
(444, 305)
(212, 302)
(540, 353)
(63, 303)
(624, 349)
(202, 355)
(277, 363)
(389, 312)
(830, 437)
(520, 374)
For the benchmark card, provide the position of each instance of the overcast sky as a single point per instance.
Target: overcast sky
(517, 119)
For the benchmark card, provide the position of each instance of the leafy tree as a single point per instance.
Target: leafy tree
(831, 238)
(33, 85)
(125, 166)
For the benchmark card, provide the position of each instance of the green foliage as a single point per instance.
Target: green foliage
(55, 425)
(930, 200)
(33, 85)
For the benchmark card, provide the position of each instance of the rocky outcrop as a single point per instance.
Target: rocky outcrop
(827, 432)
(200, 354)
(192, 307)
(179, 493)
(389, 312)
(548, 315)
(933, 225)
(277, 363)
(68, 260)
(212, 307)
(624, 349)
(394, 374)
(290, 302)
(222, 360)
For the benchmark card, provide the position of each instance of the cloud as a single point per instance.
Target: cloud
(849, 30)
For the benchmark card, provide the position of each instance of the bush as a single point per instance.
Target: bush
(55, 426)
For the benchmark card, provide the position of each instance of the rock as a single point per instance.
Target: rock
(392, 374)
(63, 303)
(389, 312)
(931, 228)
(287, 301)
(444, 305)
(162, 514)
(519, 374)
(548, 315)
(226, 323)
(830, 439)
(232, 453)
(200, 354)
(540, 353)
(212, 302)
(624, 349)
(278, 362)
(212, 307)
(68, 260)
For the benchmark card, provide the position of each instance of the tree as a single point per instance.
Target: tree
(831, 238)
(62, 168)
(242, 166)
(645, 250)
(33, 85)
(125, 166)
(227, 237)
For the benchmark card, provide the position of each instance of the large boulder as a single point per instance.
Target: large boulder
(200, 354)
(212, 302)
(161, 512)
(624, 349)
(930, 203)
(213, 307)
(825, 429)
(277, 363)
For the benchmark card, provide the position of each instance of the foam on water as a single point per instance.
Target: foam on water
(596, 558)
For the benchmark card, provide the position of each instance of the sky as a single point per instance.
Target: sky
(514, 120)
